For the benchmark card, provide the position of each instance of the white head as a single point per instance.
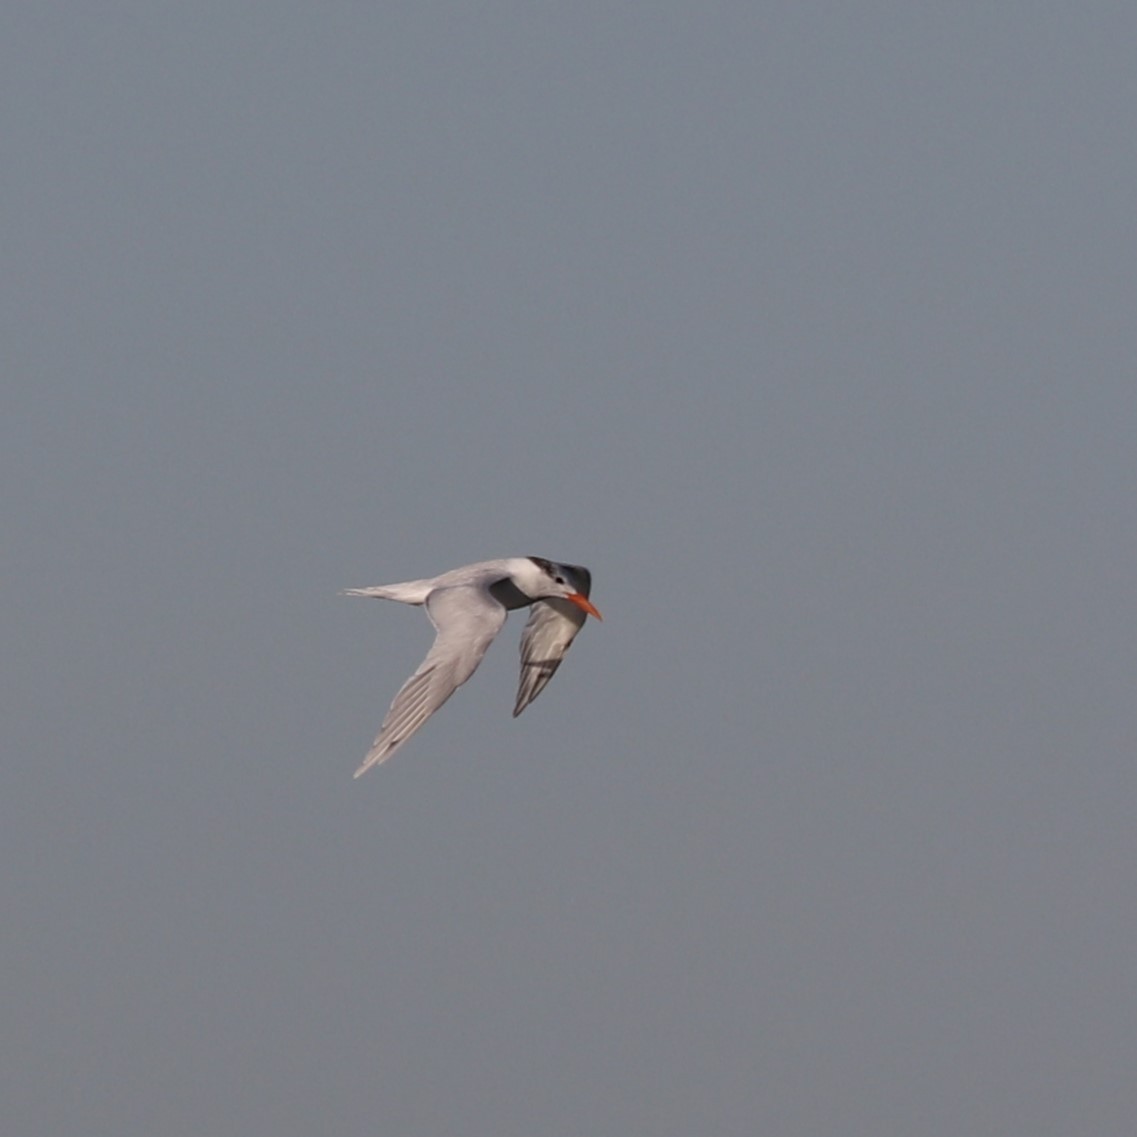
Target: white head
(541, 578)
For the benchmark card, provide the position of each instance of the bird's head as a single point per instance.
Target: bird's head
(541, 578)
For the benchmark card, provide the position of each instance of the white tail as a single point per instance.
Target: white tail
(409, 592)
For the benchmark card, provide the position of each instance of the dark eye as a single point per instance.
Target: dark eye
(559, 579)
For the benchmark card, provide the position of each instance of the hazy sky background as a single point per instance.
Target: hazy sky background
(810, 329)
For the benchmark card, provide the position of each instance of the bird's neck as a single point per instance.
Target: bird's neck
(508, 595)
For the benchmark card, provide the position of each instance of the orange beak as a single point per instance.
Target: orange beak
(584, 603)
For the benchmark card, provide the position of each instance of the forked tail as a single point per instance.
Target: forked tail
(409, 592)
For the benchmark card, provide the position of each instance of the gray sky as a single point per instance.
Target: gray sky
(810, 329)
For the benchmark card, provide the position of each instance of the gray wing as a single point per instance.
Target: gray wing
(553, 624)
(467, 619)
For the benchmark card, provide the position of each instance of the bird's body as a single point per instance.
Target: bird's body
(468, 607)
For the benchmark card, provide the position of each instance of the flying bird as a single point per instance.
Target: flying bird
(468, 606)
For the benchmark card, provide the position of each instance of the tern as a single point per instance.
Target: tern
(468, 607)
